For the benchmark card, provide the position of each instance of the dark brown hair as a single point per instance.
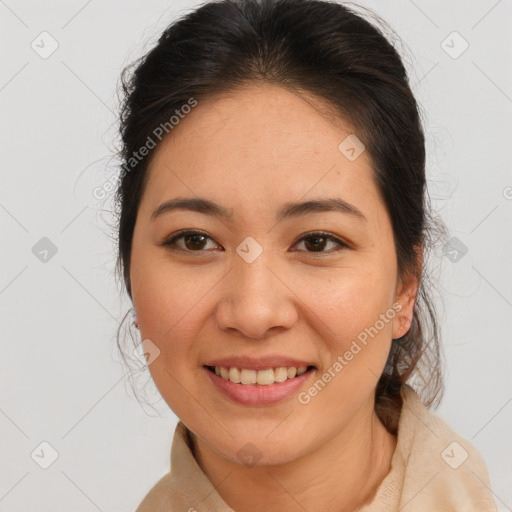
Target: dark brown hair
(326, 49)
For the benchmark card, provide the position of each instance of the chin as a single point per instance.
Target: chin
(258, 455)
(259, 450)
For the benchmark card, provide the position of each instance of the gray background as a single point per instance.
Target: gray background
(61, 379)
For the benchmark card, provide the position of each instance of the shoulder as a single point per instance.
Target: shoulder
(185, 488)
(165, 496)
(442, 470)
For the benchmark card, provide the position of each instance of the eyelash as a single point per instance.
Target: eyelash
(170, 242)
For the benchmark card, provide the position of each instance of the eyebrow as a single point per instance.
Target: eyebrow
(287, 211)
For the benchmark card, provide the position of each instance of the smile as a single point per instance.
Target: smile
(258, 387)
(265, 377)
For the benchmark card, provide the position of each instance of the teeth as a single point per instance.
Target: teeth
(301, 370)
(247, 376)
(260, 377)
(265, 377)
(280, 374)
(291, 372)
(234, 375)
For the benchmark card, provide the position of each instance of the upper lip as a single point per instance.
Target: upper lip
(258, 363)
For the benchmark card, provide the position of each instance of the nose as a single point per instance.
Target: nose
(255, 298)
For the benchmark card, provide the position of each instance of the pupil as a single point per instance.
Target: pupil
(316, 238)
(195, 237)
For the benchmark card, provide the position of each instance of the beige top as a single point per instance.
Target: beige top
(433, 469)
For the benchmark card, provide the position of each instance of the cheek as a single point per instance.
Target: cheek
(166, 294)
(359, 316)
(171, 308)
(170, 305)
(350, 302)
(355, 309)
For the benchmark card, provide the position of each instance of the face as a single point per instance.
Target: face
(256, 290)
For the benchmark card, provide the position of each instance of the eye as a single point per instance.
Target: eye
(194, 241)
(318, 241)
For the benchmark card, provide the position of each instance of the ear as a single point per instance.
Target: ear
(406, 292)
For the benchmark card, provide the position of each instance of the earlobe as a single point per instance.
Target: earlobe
(406, 297)
(403, 319)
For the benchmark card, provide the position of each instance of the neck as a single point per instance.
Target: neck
(339, 476)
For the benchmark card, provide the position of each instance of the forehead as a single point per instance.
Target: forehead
(261, 116)
(260, 143)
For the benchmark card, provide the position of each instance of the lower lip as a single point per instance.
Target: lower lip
(256, 394)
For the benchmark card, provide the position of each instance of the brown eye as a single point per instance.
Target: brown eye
(316, 242)
(193, 241)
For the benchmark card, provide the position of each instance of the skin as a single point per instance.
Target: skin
(253, 150)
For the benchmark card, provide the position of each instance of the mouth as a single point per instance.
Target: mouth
(258, 381)
(261, 377)
(258, 387)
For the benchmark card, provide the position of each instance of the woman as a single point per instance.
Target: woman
(273, 231)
